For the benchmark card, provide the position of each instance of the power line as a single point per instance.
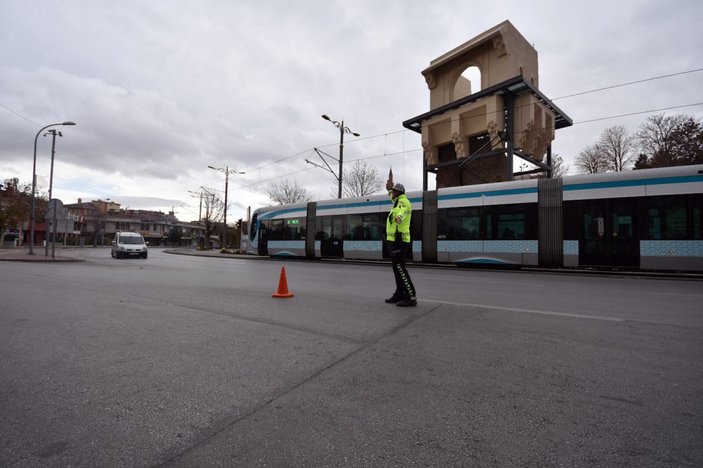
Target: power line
(310, 168)
(276, 177)
(494, 112)
(638, 113)
(324, 146)
(420, 149)
(386, 154)
(282, 159)
(19, 115)
(629, 83)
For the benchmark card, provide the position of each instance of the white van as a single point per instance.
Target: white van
(129, 244)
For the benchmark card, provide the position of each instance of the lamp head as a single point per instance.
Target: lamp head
(326, 117)
(69, 123)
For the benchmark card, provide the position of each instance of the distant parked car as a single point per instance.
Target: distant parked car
(129, 244)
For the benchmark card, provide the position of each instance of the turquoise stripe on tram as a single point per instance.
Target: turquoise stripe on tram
(635, 183)
(493, 193)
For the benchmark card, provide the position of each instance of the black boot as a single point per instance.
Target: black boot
(393, 299)
(407, 303)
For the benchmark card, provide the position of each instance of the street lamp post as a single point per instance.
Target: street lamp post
(342, 131)
(34, 182)
(227, 172)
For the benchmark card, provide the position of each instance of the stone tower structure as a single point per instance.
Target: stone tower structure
(474, 129)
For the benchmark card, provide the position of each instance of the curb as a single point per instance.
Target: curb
(39, 260)
(450, 266)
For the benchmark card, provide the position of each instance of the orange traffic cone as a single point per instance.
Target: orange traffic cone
(282, 286)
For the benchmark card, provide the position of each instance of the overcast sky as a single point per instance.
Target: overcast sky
(162, 89)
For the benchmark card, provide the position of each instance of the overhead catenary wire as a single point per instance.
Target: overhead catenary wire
(404, 131)
(19, 115)
(524, 131)
(628, 83)
(639, 113)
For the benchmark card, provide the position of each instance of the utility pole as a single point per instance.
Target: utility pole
(342, 131)
(227, 172)
(52, 229)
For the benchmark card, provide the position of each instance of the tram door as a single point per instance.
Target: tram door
(263, 238)
(609, 234)
(331, 234)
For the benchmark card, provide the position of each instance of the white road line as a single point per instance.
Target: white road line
(526, 311)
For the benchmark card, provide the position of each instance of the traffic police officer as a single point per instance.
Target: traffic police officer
(399, 245)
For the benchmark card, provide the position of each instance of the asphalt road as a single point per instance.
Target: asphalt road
(189, 361)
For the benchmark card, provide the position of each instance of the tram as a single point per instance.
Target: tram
(650, 219)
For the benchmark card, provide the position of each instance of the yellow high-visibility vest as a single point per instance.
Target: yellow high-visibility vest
(403, 209)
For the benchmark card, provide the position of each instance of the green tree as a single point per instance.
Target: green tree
(15, 205)
(669, 141)
(687, 142)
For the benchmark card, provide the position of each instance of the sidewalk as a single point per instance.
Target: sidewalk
(21, 254)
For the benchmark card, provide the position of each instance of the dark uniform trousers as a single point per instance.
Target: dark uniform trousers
(399, 251)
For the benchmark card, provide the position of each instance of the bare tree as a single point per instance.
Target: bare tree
(559, 167)
(617, 147)
(287, 192)
(655, 137)
(590, 160)
(361, 180)
(213, 213)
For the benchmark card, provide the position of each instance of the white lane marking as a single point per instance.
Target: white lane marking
(526, 311)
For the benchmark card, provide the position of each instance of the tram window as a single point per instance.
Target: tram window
(276, 228)
(376, 226)
(697, 216)
(667, 218)
(355, 227)
(295, 229)
(593, 226)
(458, 224)
(511, 222)
(622, 226)
(364, 226)
(324, 228)
(252, 228)
(511, 226)
(337, 227)
(330, 227)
